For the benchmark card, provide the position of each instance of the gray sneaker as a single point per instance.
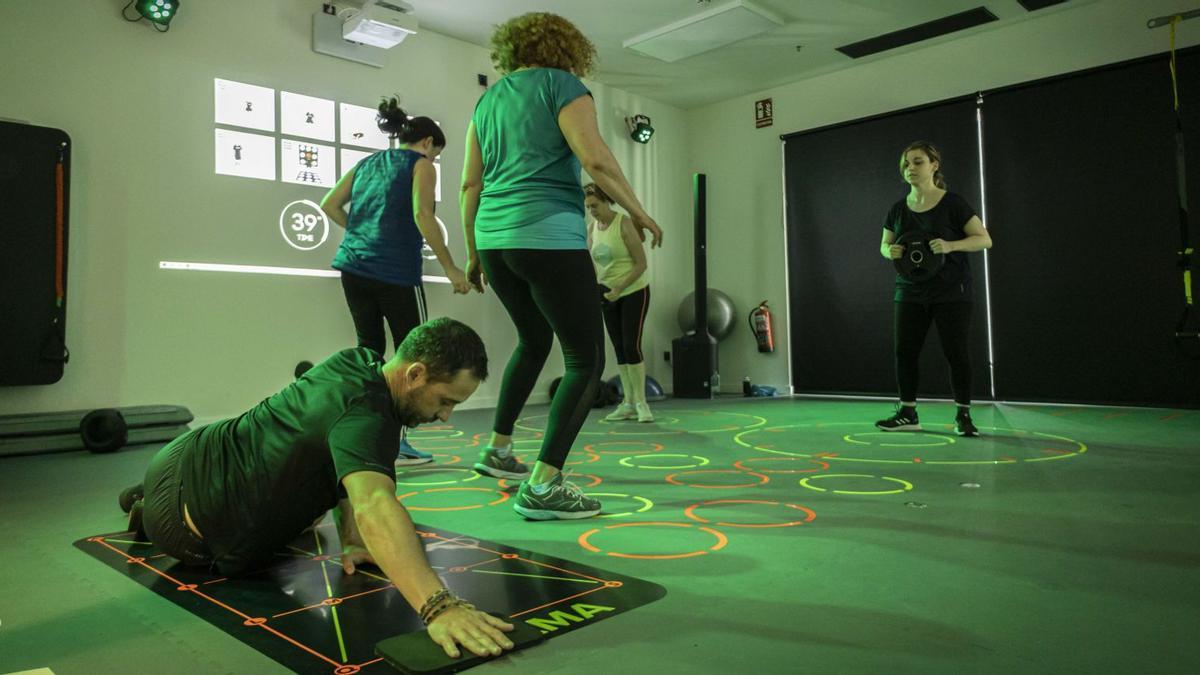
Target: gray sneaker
(492, 464)
(564, 500)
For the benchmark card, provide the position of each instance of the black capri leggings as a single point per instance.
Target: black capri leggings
(625, 320)
(549, 293)
(372, 301)
(953, 321)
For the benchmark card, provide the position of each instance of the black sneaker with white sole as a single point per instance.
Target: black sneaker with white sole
(963, 426)
(905, 419)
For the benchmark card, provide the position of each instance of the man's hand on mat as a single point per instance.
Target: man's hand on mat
(355, 555)
(478, 631)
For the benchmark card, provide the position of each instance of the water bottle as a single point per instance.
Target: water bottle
(716, 383)
(746, 386)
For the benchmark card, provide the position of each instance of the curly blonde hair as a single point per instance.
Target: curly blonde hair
(542, 39)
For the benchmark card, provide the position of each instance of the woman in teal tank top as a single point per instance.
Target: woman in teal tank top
(523, 220)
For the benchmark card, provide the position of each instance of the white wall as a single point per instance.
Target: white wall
(138, 105)
(744, 164)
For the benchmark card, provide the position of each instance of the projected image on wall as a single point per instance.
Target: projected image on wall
(307, 163)
(306, 116)
(358, 127)
(244, 105)
(295, 146)
(246, 155)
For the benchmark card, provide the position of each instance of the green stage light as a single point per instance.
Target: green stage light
(639, 128)
(158, 11)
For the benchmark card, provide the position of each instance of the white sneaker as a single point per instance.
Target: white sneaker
(623, 412)
(643, 412)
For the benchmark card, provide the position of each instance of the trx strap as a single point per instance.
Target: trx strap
(1187, 333)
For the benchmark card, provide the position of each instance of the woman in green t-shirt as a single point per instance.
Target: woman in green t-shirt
(523, 221)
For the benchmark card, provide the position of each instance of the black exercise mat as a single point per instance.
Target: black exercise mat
(308, 616)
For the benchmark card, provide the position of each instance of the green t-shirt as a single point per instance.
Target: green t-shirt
(531, 195)
(254, 482)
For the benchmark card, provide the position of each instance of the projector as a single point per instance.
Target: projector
(380, 24)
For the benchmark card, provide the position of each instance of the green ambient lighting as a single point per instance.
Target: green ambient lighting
(158, 11)
(639, 128)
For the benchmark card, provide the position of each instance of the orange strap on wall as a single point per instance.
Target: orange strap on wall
(58, 231)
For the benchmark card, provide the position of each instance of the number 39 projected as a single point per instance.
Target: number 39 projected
(304, 225)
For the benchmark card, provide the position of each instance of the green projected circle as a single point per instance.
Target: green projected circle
(668, 422)
(831, 443)
(646, 503)
(808, 482)
(634, 462)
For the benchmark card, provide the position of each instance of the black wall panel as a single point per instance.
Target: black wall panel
(840, 183)
(32, 320)
(1081, 188)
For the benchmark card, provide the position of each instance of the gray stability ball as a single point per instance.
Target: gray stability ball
(721, 314)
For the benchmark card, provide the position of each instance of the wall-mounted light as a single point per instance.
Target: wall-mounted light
(158, 12)
(639, 128)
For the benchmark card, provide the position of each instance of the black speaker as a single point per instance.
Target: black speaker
(694, 356)
(694, 361)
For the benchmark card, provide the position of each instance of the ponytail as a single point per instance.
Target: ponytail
(395, 122)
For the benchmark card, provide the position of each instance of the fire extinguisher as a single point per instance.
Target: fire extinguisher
(760, 323)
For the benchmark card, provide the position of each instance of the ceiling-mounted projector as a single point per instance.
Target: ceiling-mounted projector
(381, 23)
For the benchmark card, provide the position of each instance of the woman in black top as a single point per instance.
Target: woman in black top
(944, 299)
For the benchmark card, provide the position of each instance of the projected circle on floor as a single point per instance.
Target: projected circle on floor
(819, 465)
(449, 459)
(654, 541)
(666, 422)
(646, 504)
(719, 504)
(844, 480)
(828, 443)
(433, 472)
(481, 496)
(898, 440)
(623, 447)
(506, 484)
(640, 461)
(762, 480)
(434, 433)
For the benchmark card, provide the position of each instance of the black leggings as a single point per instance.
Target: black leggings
(625, 320)
(953, 321)
(549, 293)
(372, 301)
(162, 512)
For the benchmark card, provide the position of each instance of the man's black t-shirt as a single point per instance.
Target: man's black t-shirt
(946, 219)
(254, 482)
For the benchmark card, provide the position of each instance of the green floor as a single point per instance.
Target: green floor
(1065, 540)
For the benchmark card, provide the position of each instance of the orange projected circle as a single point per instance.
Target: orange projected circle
(502, 498)
(641, 447)
(721, 541)
(762, 479)
(471, 475)
(439, 431)
(821, 466)
(809, 515)
(454, 459)
(591, 457)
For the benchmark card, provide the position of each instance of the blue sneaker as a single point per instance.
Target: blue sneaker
(410, 456)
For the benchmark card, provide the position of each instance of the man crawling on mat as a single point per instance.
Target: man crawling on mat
(228, 495)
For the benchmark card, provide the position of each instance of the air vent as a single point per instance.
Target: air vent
(705, 31)
(1034, 5)
(915, 34)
